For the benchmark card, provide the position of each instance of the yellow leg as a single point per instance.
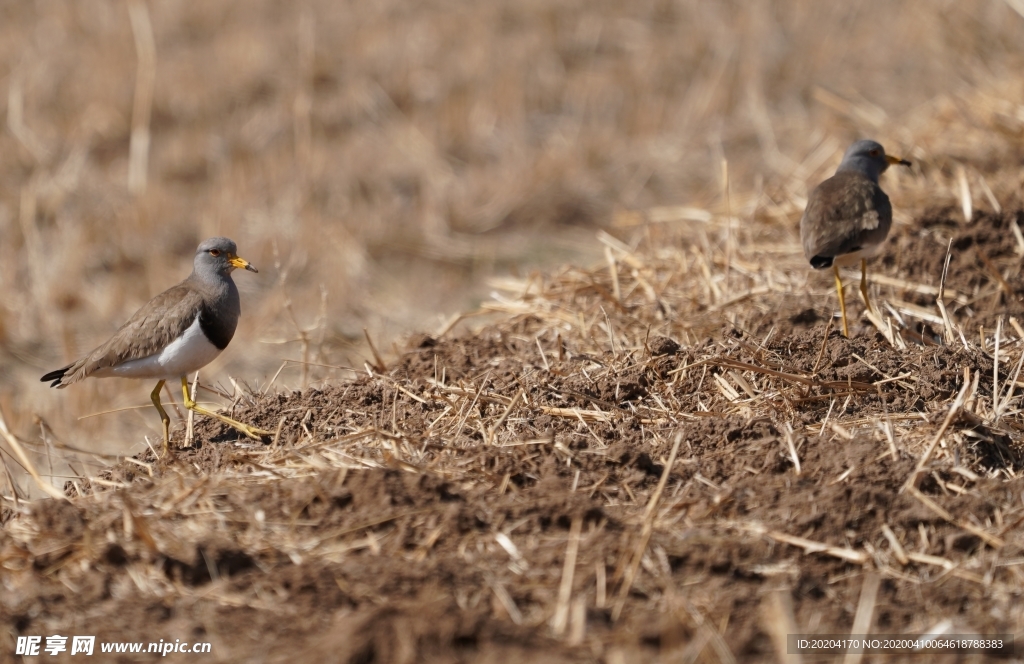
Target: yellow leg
(250, 431)
(166, 421)
(864, 284)
(842, 300)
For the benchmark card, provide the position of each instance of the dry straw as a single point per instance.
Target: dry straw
(684, 325)
(607, 324)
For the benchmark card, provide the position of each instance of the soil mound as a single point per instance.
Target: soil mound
(590, 478)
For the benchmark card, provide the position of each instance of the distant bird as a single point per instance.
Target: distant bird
(177, 332)
(848, 216)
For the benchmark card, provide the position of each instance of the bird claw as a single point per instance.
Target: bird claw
(254, 432)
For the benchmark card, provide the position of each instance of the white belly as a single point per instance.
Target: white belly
(189, 352)
(854, 258)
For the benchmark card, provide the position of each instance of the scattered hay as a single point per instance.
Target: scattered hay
(671, 454)
(631, 458)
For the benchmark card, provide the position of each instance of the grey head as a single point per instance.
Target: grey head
(868, 158)
(211, 277)
(216, 258)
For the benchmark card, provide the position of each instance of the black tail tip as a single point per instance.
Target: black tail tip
(821, 262)
(54, 377)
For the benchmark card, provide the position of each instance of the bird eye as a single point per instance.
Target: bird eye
(215, 252)
(874, 153)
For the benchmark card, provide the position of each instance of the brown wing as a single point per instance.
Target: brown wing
(156, 324)
(844, 213)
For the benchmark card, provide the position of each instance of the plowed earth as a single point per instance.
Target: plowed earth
(427, 512)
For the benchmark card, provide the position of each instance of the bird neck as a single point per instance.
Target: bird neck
(215, 286)
(210, 277)
(869, 168)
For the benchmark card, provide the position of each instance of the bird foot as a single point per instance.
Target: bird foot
(252, 432)
(247, 430)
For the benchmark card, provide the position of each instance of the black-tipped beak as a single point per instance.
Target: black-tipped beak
(238, 261)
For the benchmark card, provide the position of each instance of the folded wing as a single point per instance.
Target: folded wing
(845, 213)
(153, 327)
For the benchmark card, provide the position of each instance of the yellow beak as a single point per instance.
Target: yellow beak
(896, 160)
(239, 262)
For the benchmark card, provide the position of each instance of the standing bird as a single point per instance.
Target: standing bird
(177, 332)
(848, 216)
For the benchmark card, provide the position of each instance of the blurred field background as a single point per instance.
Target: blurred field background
(378, 162)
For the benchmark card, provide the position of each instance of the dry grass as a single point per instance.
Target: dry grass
(399, 153)
(390, 158)
(607, 327)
